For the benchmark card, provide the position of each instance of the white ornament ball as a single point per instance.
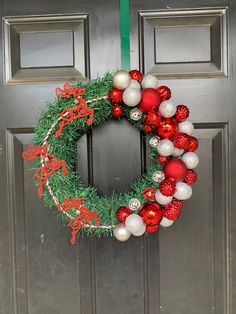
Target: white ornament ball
(165, 147)
(162, 199)
(134, 84)
(121, 233)
(178, 152)
(158, 176)
(134, 204)
(186, 127)
(165, 222)
(133, 223)
(149, 81)
(135, 114)
(121, 79)
(183, 191)
(191, 160)
(167, 109)
(153, 142)
(131, 96)
(140, 232)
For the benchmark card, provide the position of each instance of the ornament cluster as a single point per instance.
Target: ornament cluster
(173, 145)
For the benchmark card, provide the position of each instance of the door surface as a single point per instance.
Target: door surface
(189, 268)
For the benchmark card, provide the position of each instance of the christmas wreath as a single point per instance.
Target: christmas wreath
(154, 199)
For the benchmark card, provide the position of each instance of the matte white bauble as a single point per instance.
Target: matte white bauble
(131, 96)
(121, 233)
(165, 222)
(186, 127)
(162, 199)
(133, 223)
(134, 84)
(140, 232)
(121, 79)
(191, 160)
(183, 191)
(178, 152)
(149, 81)
(167, 109)
(165, 147)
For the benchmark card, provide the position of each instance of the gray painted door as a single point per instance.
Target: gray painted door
(187, 269)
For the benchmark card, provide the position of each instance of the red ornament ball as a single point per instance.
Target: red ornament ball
(181, 140)
(182, 113)
(153, 119)
(122, 213)
(152, 229)
(165, 92)
(136, 75)
(147, 128)
(117, 111)
(171, 211)
(175, 169)
(167, 128)
(162, 159)
(193, 145)
(177, 203)
(167, 187)
(115, 95)
(150, 100)
(191, 177)
(151, 213)
(148, 193)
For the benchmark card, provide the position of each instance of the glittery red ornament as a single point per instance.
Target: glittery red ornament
(162, 159)
(178, 203)
(151, 213)
(150, 100)
(153, 119)
(147, 128)
(148, 193)
(165, 92)
(115, 95)
(191, 177)
(167, 187)
(171, 211)
(181, 140)
(117, 111)
(122, 213)
(193, 145)
(182, 113)
(152, 229)
(175, 169)
(136, 75)
(167, 128)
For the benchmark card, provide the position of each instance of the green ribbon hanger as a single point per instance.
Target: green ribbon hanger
(125, 34)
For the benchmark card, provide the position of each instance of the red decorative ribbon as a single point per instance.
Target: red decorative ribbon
(69, 91)
(84, 216)
(80, 111)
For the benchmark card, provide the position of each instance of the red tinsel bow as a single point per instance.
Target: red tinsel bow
(80, 111)
(84, 215)
(51, 165)
(69, 91)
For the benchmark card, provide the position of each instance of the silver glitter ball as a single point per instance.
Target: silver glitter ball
(153, 142)
(135, 114)
(134, 204)
(158, 176)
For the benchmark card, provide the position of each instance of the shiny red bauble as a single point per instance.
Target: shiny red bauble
(191, 177)
(152, 229)
(167, 187)
(153, 119)
(181, 140)
(151, 213)
(147, 128)
(150, 100)
(148, 193)
(171, 211)
(122, 213)
(182, 113)
(165, 92)
(115, 95)
(178, 203)
(136, 75)
(175, 169)
(117, 111)
(162, 159)
(167, 128)
(193, 145)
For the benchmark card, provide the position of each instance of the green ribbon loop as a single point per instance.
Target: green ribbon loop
(125, 34)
